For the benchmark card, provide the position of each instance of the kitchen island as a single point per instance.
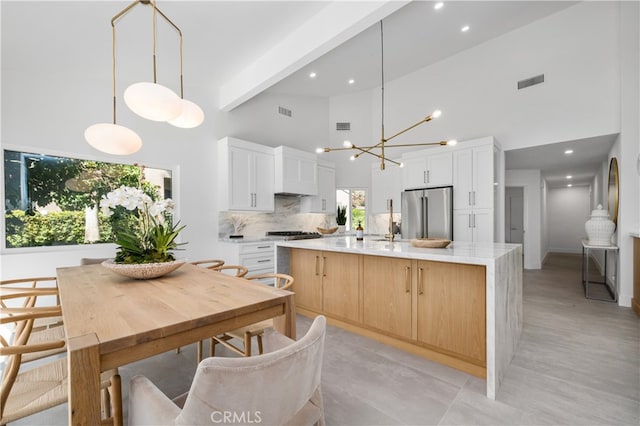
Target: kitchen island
(460, 306)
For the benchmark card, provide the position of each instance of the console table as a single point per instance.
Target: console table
(613, 290)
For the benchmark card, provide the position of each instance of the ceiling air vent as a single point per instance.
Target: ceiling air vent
(343, 126)
(531, 81)
(284, 111)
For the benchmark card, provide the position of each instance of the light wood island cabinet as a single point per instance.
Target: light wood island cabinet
(387, 294)
(451, 309)
(460, 306)
(327, 282)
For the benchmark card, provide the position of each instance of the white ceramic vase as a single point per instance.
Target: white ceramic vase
(341, 229)
(599, 227)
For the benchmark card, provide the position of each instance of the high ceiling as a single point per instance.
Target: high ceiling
(224, 38)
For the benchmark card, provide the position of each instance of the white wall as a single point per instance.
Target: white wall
(531, 181)
(568, 210)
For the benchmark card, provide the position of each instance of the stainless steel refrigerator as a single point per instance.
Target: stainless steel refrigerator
(428, 213)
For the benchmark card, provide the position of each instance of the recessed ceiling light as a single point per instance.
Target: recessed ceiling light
(569, 186)
(351, 81)
(569, 177)
(464, 29)
(438, 5)
(313, 75)
(569, 151)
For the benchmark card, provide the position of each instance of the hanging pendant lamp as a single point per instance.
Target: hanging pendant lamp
(149, 100)
(382, 145)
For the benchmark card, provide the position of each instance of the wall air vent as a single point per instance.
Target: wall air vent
(284, 111)
(343, 126)
(531, 81)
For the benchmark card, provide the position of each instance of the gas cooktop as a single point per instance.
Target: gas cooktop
(293, 235)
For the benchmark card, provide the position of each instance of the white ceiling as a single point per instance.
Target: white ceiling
(223, 38)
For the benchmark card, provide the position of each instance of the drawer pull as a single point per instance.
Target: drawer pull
(407, 279)
(264, 247)
(265, 260)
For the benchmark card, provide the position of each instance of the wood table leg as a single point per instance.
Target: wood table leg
(286, 324)
(83, 363)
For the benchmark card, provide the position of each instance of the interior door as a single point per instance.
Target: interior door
(515, 215)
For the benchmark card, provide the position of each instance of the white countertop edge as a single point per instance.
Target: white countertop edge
(459, 252)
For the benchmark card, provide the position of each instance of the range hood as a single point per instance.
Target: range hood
(296, 172)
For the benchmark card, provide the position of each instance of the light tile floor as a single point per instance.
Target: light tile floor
(578, 363)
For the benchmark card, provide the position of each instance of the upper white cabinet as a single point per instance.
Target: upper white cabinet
(473, 178)
(385, 185)
(296, 172)
(245, 176)
(422, 170)
(473, 193)
(325, 201)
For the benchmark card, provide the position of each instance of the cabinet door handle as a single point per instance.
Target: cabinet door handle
(470, 198)
(324, 204)
(474, 198)
(255, 200)
(420, 284)
(317, 260)
(428, 176)
(407, 279)
(324, 266)
(424, 176)
(470, 221)
(474, 220)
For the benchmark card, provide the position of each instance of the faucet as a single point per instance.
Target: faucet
(390, 235)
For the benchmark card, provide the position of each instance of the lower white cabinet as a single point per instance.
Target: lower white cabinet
(473, 225)
(258, 257)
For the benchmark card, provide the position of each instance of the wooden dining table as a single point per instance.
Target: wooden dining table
(111, 320)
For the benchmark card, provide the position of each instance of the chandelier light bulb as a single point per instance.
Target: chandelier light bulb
(352, 158)
(437, 113)
(153, 101)
(347, 144)
(319, 150)
(113, 139)
(401, 165)
(190, 117)
(452, 142)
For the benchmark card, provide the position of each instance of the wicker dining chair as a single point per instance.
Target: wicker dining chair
(237, 270)
(28, 391)
(26, 292)
(210, 263)
(245, 334)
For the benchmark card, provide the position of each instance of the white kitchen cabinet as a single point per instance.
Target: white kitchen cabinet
(427, 170)
(296, 172)
(258, 257)
(385, 185)
(473, 225)
(245, 176)
(473, 178)
(325, 201)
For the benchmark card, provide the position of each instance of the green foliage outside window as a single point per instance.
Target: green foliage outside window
(46, 197)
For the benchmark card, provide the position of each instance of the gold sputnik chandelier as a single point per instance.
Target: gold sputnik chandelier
(382, 145)
(149, 100)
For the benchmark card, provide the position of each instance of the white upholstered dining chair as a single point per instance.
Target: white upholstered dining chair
(281, 387)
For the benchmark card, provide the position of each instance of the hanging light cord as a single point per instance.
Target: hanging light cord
(154, 26)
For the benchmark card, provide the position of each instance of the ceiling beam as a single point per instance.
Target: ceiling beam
(332, 26)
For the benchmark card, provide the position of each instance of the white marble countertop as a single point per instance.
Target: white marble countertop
(249, 240)
(459, 252)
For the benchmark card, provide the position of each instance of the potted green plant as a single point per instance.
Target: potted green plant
(341, 217)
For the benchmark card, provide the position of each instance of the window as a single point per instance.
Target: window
(355, 201)
(51, 200)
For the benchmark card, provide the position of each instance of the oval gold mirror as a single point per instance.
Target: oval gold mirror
(613, 190)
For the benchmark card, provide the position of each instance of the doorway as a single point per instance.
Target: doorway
(514, 215)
